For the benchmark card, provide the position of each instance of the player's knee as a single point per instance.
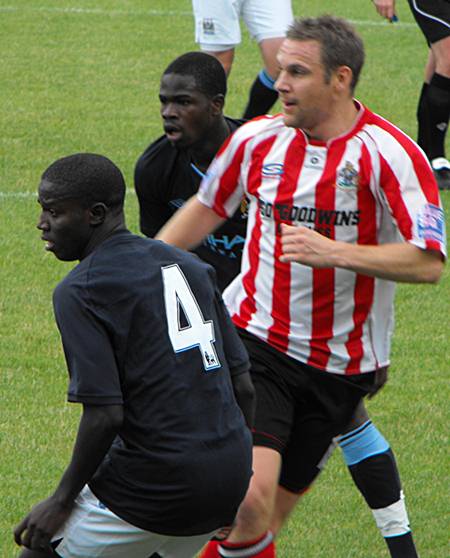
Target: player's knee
(361, 443)
(225, 57)
(360, 416)
(442, 57)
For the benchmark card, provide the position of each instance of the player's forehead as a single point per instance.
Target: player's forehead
(178, 84)
(307, 52)
(49, 191)
(52, 194)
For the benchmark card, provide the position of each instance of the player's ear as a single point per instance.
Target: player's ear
(343, 78)
(217, 103)
(97, 213)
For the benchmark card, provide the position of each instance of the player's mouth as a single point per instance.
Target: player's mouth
(173, 133)
(288, 106)
(49, 244)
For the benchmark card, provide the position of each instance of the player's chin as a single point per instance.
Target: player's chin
(291, 120)
(65, 256)
(178, 139)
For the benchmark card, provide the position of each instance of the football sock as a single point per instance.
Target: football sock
(210, 550)
(438, 102)
(402, 546)
(374, 470)
(423, 136)
(263, 547)
(262, 96)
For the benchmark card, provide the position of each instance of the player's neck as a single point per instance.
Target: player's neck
(112, 225)
(341, 120)
(203, 152)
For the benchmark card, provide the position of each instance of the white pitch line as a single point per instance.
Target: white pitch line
(98, 11)
(163, 13)
(17, 195)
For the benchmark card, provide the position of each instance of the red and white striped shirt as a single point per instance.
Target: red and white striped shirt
(372, 186)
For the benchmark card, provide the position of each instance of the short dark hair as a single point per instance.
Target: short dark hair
(89, 178)
(340, 44)
(207, 71)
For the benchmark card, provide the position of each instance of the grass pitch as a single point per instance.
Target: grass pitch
(82, 75)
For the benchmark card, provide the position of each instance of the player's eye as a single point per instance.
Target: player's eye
(298, 71)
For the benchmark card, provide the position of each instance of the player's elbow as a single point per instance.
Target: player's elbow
(106, 418)
(435, 274)
(433, 271)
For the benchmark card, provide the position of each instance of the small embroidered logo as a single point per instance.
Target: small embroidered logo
(208, 26)
(347, 178)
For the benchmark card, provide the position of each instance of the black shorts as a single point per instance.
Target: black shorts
(299, 409)
(433, 18)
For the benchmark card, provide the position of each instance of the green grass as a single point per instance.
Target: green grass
(88, 81)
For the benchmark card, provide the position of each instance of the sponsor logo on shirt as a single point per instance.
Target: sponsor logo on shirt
(321, 220)
(431, 224)
(347, 178)
(273, 169)
(230, 246)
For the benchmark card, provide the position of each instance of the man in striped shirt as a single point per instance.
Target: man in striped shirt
(342, 205)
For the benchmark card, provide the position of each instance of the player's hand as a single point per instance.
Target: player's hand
(305, 246)
(36, 530)
(381, 377)
(386, 8)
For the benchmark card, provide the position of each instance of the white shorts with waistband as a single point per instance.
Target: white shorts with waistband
(94, 531)
(217, 23)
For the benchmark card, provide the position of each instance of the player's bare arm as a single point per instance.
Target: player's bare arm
(190, 225)
(97, 429)
(402, 262)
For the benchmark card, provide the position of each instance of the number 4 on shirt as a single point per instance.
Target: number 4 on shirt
(198, 332)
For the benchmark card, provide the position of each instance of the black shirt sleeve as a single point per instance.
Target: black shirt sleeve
(94, 377)
(149, 179)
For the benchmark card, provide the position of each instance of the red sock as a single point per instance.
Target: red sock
(210, 550)
(262, 547)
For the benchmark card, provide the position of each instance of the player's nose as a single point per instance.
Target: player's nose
(42, 223)
(168, 110)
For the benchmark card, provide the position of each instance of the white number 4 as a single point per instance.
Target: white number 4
(198, 332)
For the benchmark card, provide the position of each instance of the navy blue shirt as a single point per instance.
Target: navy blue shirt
(164, 179)
(143, 325)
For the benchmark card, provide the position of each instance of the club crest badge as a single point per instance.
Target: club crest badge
(244, 207)
(208, 26)
(347, 178)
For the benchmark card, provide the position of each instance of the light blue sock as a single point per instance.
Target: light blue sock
(361, 443)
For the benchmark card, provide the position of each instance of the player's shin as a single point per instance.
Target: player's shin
(374, 471)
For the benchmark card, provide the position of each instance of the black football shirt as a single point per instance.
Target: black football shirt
(143, 325)
(164, 179)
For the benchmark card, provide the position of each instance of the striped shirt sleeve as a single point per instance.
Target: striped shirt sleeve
(409, 188)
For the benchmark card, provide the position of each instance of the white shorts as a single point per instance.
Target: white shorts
(93, 531)
(217, 22)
